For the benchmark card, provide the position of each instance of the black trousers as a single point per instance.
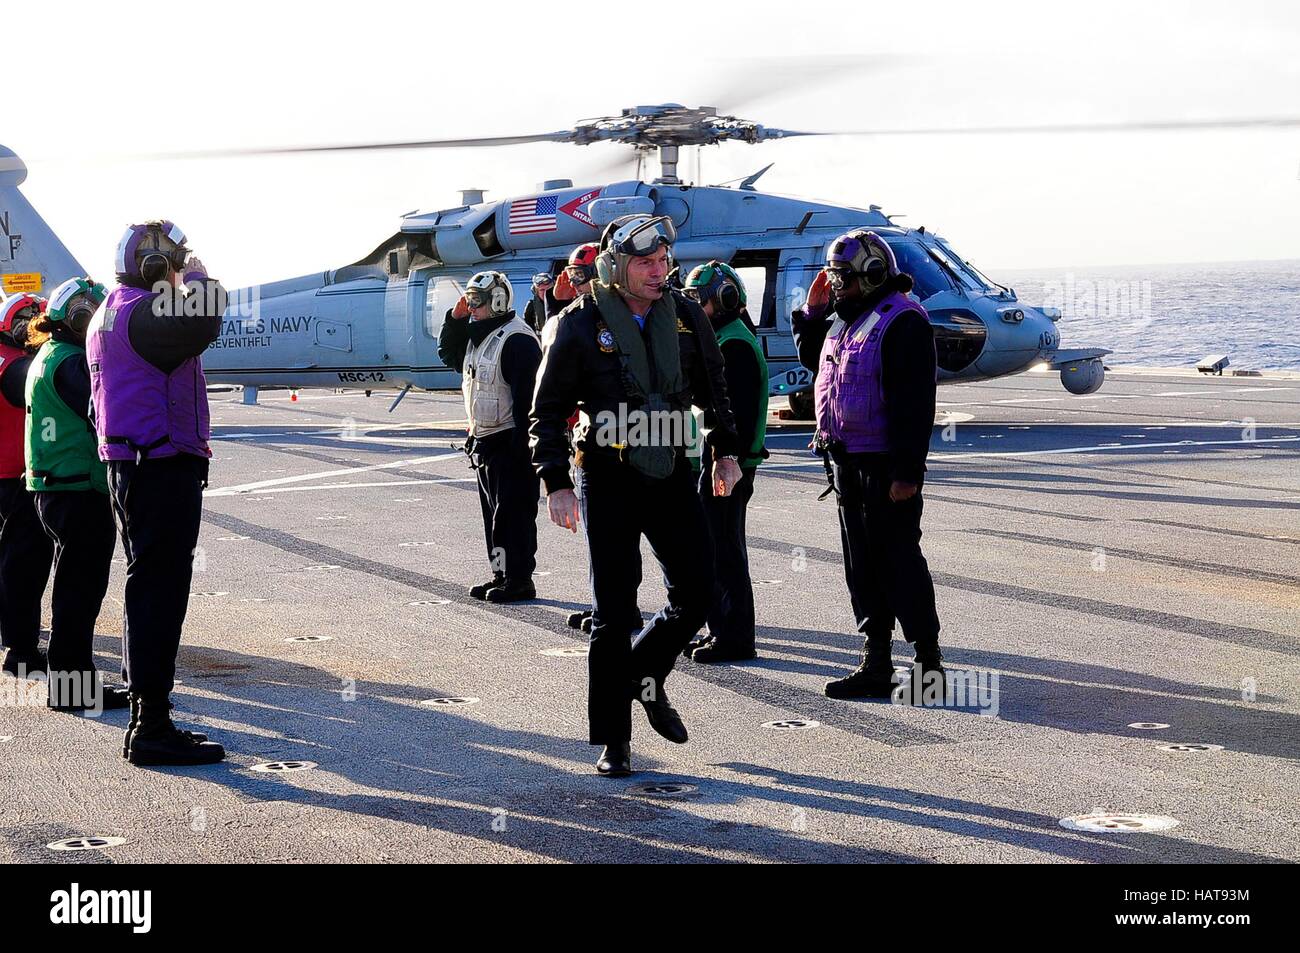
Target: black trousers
(618, 507)
(25, 557)
(886, 572)
(508, 491)
(80, 523)
(157, 505)
(731, 616)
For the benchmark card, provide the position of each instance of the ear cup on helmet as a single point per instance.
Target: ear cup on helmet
(876, 271)
(605, 267)
(153, 268)
(728, 297)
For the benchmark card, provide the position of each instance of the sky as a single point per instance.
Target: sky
(247, 74)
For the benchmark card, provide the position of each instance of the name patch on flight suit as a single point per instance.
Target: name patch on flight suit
(605, 338)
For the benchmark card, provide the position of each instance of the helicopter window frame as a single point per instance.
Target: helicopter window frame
(434, 313)
(769, 260)
(988, 283)
(951, 260)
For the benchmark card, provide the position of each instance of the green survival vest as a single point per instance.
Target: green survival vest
(737, 331)
(61, 448)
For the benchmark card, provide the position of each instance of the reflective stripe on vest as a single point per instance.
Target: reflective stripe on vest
(488, 402)
(850, 394)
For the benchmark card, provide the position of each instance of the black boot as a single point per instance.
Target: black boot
(513, 591)
(481, 590)
(24, 664)
(156, 741)
(874, 678)
(701, 639)
(927, 686)
(664, 718)
(94, 693)
(615, 761)
(135, 718)
(131, 725)
(715, 651)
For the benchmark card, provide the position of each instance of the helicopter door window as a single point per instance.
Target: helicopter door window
(757, 269)
(442, 294)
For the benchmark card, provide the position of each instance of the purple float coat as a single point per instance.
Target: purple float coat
(140, 409)
(850, 396)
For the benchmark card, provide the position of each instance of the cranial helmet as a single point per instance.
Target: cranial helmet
(493, 289)
(631, 236)
(583, 260)
(862, 255)
(17, 309)
(145, 251)
(716, 281)
(75, 302)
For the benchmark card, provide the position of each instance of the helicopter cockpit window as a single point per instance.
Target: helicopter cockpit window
(441, 294)
(979, 276)
(928, 278)
(958, 267)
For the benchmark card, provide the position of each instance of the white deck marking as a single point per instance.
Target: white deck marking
(391, 465)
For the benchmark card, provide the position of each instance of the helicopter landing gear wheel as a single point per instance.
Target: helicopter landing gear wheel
(801, 405)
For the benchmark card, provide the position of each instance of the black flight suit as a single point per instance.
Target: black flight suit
(731, 619)
(508, 488)
(887, 575)
(619, 505)
(158, 506)
(25, 551)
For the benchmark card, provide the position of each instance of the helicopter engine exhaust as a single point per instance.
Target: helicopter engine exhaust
(1084, 377)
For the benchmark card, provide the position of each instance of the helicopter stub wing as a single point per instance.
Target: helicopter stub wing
(1061, 358)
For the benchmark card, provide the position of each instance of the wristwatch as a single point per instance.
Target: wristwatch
(732, 457)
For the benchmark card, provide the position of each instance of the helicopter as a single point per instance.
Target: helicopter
(374, 324)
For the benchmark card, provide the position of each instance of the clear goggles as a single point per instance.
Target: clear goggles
(642, 236)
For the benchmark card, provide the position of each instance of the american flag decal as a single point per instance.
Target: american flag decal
(528, 216)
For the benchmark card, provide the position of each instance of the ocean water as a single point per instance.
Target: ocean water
(1175, 315)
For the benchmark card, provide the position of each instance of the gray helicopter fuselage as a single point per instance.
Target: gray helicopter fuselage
(375, 323)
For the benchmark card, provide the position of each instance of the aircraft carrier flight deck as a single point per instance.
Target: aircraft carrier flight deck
(1119, 574)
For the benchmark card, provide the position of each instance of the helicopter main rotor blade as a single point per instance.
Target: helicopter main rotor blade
(754, 79)
(1144, 125)
(561, 136)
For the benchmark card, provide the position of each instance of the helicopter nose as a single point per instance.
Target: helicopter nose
(1038, 323)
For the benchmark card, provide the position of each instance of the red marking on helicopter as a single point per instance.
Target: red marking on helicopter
(573, 208)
